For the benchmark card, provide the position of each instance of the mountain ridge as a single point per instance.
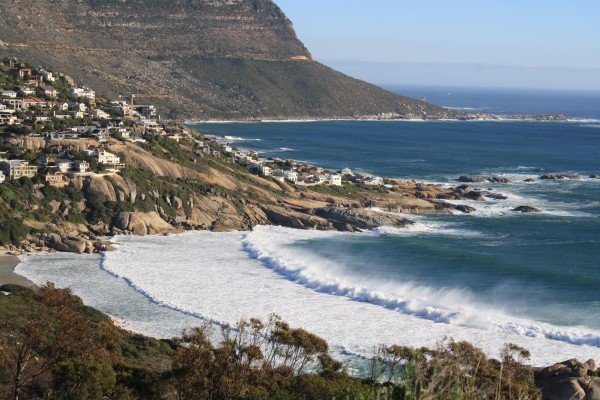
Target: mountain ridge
(195, 59)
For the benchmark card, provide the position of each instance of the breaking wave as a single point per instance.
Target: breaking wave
(241, 139)
(271, 246)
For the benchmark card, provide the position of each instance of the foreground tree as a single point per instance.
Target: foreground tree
(54, 340)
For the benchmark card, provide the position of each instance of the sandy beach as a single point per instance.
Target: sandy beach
(7, 275)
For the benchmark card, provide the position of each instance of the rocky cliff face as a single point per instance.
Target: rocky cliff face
(194, 58)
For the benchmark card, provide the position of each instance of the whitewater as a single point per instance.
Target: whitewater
(184, 280)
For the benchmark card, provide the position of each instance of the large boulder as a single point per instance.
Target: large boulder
(362, 218)
(472, 179)
(100, 189)
(569, 380)
(141, 224)
(526, 209)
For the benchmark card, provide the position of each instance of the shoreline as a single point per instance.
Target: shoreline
(499, 118)
(8, 263)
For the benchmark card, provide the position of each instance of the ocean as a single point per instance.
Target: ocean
(490, 277)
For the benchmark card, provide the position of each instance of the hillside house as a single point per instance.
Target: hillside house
(16, 169)
(53, 176)
(15, 104)
(82, 93)
(8, 93)
(48, 91)
(99, 114)
(21, 73)
(2, 177)
(7, 117)
(146, 111)
(25, 91)
(334, 179)
(106, 158)
(34, 102)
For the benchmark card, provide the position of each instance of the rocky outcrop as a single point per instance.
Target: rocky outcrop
(141, 224)
(472, 179)
(361, 218)
(482, 179)
(289, 217)
(70, 244)
(526, 209)
(569, 380)
(595, 176)
(555, 177)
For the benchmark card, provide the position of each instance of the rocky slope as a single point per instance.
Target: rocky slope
(231, 59)
(168, 188)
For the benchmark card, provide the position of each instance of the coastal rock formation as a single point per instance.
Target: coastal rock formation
(141, 224)
(595, 176)
(196, 59)
(472, 179)
(70, 244)
(362, 218)
(526, 209)
(569, 380)
(481, 179)
(554, 177)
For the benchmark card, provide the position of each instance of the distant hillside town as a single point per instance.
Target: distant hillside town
(75, 124)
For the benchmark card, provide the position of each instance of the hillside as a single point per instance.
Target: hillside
(231, 59)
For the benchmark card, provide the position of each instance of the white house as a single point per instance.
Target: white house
(8, 93)
(7, 117)
(291, 176)
(83, 93)
(335, 179)
(108, 159)
(2, 177)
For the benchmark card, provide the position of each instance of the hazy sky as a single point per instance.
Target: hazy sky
(494, 43)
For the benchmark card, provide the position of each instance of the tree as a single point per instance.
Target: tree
(46, 345)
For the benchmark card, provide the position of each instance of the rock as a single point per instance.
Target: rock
(591, 364)
(595, 176)
(141, 224)
(559, 177)
(526, 209)
(568, 380)
(477, 196)
(497, 179)
(362, 218)
(495, 196)
(176, 203)
(472, 178)
(68, 244)
(530, 180)
(282, 216)
(481, 179)
(100, 189)
(464, 208)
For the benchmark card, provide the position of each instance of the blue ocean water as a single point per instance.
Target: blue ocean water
(543, 268)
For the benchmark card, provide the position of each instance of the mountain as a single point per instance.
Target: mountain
(231, 59)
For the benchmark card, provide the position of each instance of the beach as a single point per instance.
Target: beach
(7, 275)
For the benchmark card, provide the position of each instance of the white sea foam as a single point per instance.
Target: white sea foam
(240, 139)
(223, 277)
